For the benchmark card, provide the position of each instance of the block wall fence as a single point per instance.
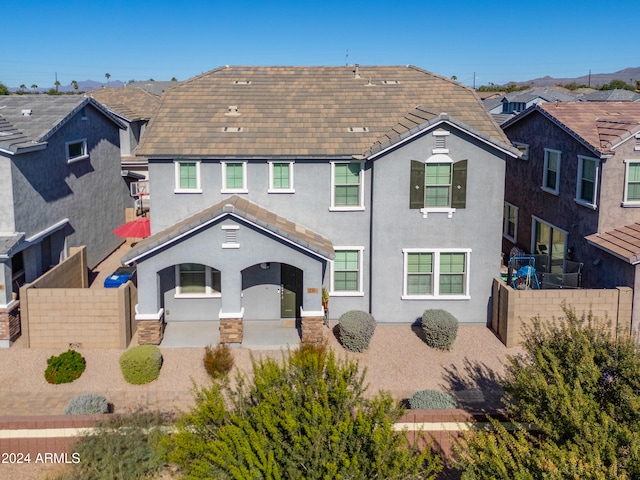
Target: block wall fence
(59, 311)
(512, 309)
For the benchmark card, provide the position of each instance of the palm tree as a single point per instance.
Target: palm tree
(57, 84)
(174, 79)
(23, 87)
(108, 75)
(74, 84)
(34, 87)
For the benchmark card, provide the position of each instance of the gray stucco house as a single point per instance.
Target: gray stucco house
(382, 184)
(573, 198)
(60, 186)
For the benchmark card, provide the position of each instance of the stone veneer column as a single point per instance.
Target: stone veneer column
(312, 327)
(150, 332)
(231, 327)
(150, 328)
(9, 324)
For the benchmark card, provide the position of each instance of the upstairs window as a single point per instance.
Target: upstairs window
(632, 183)
(76, 150)
(187, 177)
(281, 177)
(551, 175)
(439, 185)
(347, 190)
(234, 177)
(587, 181)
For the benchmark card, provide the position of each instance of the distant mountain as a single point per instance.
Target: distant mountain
(88, 85)
(628, 75)
(83, 86)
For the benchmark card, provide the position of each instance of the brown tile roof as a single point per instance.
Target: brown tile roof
(249, 211)
(622, 242)
(602, 125)
(130, 102)
(303, 111)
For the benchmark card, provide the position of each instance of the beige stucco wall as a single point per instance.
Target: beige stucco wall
(512, 309)
(58, 311)
(612, 213)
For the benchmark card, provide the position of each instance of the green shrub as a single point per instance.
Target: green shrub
(64, 368)
(124, 448)
(87, 404)
(141, 364)
(218, 361)
(356, 329)
(440, 329)
(307, 416)
(432, 400)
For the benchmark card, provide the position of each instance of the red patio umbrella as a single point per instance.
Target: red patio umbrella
(138, 228)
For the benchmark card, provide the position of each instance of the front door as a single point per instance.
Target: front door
(290, 291)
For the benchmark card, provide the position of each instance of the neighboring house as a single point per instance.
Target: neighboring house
(134, 107)
(382, 184)
(616, 95)
(574, 195)
(152, 86)
(505, 107)
(60, 185)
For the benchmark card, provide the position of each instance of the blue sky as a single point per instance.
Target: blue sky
(489, 41)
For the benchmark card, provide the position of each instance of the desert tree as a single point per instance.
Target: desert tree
(303, 418)
(575, 397)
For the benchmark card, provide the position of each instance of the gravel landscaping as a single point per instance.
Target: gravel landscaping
(397, 361)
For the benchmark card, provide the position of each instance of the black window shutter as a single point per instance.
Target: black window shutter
(416, 189)
(459, 185)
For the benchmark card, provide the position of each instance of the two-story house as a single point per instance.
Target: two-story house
(382, 184)
(573, 196)
(505, 107)
(134, 107)
(60, 186)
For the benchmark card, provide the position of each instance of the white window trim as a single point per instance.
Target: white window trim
(208, 280)
(177, 188)
(439, 158)
(525, 155)
(555, 191)
(271, 188)
(436, 273)
(625, 202)
(225, 189)
(340, 208)
(79, 158)
(359, 293)
(593, 205)
(505, 223)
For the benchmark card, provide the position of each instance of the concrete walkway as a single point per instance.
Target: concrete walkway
(258, 335)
